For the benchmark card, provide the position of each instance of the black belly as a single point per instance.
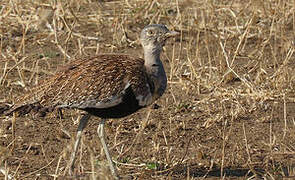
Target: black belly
(128, 106)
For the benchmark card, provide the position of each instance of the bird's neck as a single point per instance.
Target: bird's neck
(152, 57)
(156, 71)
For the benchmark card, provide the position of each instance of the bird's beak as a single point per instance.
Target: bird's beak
(171, 34)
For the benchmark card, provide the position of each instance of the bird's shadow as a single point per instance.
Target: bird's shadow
(194, 170)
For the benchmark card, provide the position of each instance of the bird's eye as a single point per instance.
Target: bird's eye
(150, 32)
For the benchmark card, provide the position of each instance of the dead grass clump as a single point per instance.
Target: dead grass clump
(228, 110)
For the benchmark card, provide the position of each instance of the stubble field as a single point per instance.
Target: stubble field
(228, 112)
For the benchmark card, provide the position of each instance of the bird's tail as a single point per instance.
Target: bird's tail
(24, 109)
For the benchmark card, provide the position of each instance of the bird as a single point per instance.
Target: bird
(108, 86)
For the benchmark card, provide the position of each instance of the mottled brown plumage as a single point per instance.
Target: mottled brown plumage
(87, 81)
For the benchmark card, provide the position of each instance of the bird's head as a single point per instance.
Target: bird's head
(154, 36)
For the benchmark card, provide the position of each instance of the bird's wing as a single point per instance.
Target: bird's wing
(98, 82)
(99, 104)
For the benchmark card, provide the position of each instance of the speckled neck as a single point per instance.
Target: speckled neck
(155, 70)
(152, 56)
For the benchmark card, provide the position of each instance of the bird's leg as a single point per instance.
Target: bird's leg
(144, 123)
(100, 131)
(82, 124)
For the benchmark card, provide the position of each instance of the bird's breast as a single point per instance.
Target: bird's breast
(159, 85)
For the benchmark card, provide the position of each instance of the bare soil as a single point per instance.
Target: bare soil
(228, 112)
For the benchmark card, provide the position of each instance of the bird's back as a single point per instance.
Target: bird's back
(101, 82)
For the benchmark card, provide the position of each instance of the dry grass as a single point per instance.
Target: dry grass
(228, 112)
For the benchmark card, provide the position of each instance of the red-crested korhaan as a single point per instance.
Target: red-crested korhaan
(106, 86)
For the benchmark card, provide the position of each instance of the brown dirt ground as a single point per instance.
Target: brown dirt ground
(208, 125)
